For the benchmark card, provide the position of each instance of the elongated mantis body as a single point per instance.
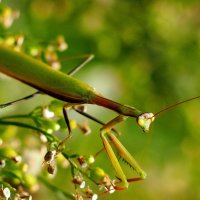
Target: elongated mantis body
(66, 88)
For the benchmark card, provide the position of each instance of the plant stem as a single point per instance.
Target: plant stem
(50, 137)
(54, 188)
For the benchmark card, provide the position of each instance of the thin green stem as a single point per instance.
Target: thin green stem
(16, 116)
(54, 188)
(23, 125)
(50, 137)
(74, 166)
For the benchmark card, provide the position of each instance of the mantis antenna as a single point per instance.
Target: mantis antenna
(145, 119)
(176, 104)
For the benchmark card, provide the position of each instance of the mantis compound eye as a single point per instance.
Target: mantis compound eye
(145, 120)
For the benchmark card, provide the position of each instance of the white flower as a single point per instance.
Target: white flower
(47, 113)
(6, 193)
(82, 185)
(94, 197)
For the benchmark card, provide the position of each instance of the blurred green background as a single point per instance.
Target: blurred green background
(147, 55)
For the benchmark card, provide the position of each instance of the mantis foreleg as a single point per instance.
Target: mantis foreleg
(122, 151)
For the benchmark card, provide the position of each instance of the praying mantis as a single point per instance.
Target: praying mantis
(75, 92)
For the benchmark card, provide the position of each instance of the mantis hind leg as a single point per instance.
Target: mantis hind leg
(19, 100)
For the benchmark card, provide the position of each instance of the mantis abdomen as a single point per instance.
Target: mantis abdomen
(40, 76)
(55, 83)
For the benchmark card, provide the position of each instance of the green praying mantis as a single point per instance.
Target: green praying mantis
(75, 92)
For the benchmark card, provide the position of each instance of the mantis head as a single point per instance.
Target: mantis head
(144, 121)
